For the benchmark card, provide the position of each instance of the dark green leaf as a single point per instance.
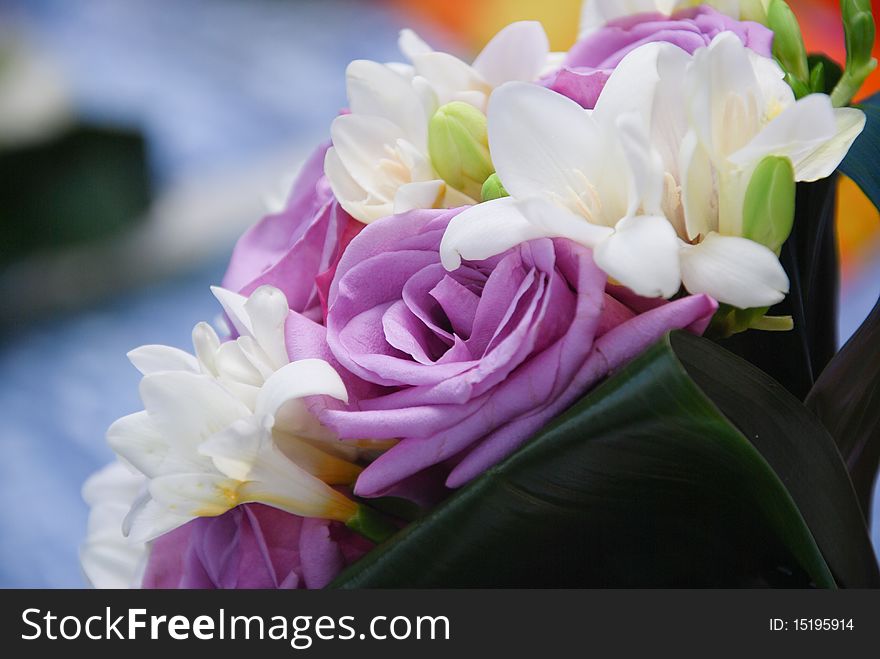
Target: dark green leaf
(797, 358)
(861, 163)
(847, 401)
(830, 72)
(85, 185)
(645, 482)
(797, 447)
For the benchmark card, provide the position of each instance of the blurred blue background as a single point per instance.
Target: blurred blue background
(230, 96)
(223, 91)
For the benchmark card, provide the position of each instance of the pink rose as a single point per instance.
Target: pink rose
(463, 367)
(590, 62)
(296, 249)
(253, 546)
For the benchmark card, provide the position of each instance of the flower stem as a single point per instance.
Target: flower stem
(371, 524)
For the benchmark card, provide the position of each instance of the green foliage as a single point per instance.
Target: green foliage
(85, 185)
(689, 467)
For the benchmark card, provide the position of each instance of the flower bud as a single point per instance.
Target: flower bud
(458, 143)
(859, 29)
(753, 10)
(768, 210)
(788, 44)
(493, 189)
(858, 25)
(729, 320)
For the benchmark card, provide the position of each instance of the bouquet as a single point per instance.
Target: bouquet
(544, 319)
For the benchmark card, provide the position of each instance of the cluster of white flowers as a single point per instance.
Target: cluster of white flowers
(654, 178)
(226, 426)
(379, 163)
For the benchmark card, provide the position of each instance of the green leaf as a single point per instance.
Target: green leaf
(860, 163)
(689, 467)
(788, 45)
(809, 256)
(88, 183)
(830, 73)
(847, 401)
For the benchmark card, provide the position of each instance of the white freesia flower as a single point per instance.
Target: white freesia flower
(379, 163)
(229, 425)
(108, 558)
(654, 178)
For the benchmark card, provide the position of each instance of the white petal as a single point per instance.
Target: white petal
(270, 477)
(375, 89)
(108, 558)
(195, 495)
(115, 483)
(698, 188)
(555, 61)
(542, 143)
(267, 309)
(453, 198)
(734, 271)
(518, 52)
(317, 459)
(427, 94)
(796, 133)
(669, 122)
(299, 379)
(557, 222)
(822, 162)
(423, 194)
(645, 166)
(632, 85)
(351, 196)
(233, 305)
(485, 230)
(149, 519)
(642, 254)
(447, 73)
(776, 93)
(417, 162)
(187, 408)
(278, 482)
(234, 366)
(235, 449)
(137, 439)
(361, 142)
(116, 564)
(477, 98)
(205, 343)
(723, 96)
(411, 44)
(153, 358)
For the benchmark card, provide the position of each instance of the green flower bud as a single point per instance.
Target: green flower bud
(492, 189)
(858, 26)
(788, 44)
(768, 210)
(729, 320)
(817, 77)
(458, 143)
(753, 10)
(859, 29)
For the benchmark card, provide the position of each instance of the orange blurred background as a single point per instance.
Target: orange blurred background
(474, 23)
